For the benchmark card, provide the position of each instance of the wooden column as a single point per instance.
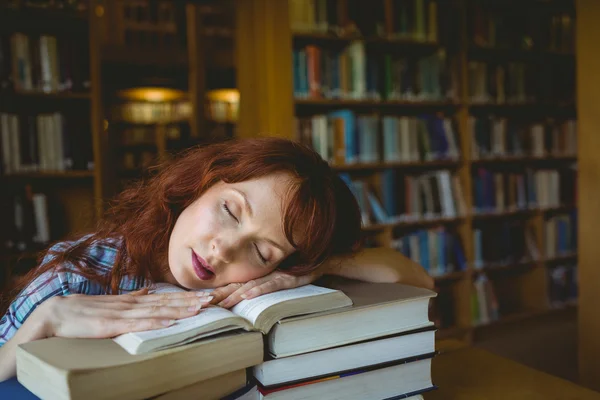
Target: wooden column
(264, 68)
(196, 70)
(588, 108)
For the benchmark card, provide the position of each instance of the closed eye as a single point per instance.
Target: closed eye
(259, 254)
(228, 211)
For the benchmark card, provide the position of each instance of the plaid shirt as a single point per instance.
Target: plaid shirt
(101, 256)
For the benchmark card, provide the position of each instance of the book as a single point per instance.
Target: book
(258, 314)
(392, 382)
(378, 309)
(342, 359)
(59, 368)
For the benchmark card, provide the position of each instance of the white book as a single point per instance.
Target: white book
(259, 314)
(40, 211)
(332, 361)
(378, 309)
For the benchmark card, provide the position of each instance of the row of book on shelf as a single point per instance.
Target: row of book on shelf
(342, 138)
(552, 30)
(412, 20)
(561, 284)
(43, 63)
(438, 250)
(368, 336)
(43, 142)
(500, 137)
(436, 194)
(518, 82)
(26, 222)
(355, 73)
(495, 191)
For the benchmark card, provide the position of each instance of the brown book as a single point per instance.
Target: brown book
(59, 368)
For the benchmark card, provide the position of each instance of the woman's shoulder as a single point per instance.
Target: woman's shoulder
(100, 254)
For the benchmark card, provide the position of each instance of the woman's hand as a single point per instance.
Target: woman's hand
(228, 296)
(82, 316)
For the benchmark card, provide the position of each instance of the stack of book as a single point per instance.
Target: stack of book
(348, 340)
(379, 348)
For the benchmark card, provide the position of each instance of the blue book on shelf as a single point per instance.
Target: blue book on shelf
(424, 249)
(459, 254)
(302, 73)
(441, 250)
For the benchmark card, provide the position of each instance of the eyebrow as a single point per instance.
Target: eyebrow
(250, 212)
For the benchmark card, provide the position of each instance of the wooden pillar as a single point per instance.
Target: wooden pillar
(196, 71)
(588, 108)
(264, 68)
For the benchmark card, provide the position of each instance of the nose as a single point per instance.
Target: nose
(223, 249)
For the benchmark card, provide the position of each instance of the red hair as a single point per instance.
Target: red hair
(321, 216)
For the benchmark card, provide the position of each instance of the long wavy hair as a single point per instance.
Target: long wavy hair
(321, 215)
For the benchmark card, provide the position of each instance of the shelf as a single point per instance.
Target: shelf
(50, 175)
(565, 258)
(451, 276)
(502, 54)
(175, 57)
(30, 19)
(502, 214)
(392, 105)
(434, 164)
(528, 108)
(508, 159)
(506, 267)
(525, 315)
(451, 332)
(343, 39)
(37, 95)
(413, 224)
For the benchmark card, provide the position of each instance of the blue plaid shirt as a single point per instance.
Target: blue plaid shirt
(100, 256)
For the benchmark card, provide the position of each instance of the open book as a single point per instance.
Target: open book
(258, 314)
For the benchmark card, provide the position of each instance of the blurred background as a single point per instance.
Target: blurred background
(453, 121)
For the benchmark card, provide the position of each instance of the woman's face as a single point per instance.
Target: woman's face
(232, 233)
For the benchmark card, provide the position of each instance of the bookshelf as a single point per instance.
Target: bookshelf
(75, 57)
(475, 122)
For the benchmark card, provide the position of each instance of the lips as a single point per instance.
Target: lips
(203, 271)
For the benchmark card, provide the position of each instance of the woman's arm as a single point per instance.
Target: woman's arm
(381, 264)
(33, 329)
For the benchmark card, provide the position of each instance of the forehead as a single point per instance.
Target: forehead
(266, 196)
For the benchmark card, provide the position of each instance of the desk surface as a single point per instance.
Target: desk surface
(471, 374)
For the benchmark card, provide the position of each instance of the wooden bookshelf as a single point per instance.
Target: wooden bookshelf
(528, 279)
(78, 196)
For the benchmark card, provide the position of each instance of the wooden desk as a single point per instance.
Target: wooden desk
(471, 374)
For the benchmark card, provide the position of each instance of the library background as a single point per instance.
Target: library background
(454, 122)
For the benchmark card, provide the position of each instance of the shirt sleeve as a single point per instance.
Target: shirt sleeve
(44, 287)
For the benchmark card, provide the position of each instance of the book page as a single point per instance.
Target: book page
(205, 317)
(251, 309)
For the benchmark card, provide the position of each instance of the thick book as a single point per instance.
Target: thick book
(93, 369)
(258, 314)
(217, 388)
(343, 359)
(378, 309)
(391, 382)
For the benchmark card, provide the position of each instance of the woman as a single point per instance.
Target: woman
(246, 217)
